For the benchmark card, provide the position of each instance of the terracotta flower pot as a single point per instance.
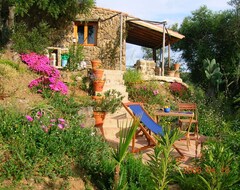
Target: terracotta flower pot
(99, 119)
(98, 73)
(98, 85)
(176, 66)
(96, 63)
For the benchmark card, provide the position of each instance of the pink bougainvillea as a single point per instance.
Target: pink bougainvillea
(50, 75)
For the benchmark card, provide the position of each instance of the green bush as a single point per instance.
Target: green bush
(232, 140)
(76, 56)
(30, 150)
(132, 76)
(5, 34)
(64, 104)
(138, 175)
(31, 40)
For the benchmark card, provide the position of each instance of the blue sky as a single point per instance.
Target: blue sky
(173, 11)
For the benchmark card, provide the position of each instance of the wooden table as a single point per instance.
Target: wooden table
(174, 113)
(159, 113)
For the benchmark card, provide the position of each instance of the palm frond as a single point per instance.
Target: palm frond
(126, 135)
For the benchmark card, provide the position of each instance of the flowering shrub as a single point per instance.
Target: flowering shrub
(146, 92)
(178, 89)
(45, 122)
(50, 75)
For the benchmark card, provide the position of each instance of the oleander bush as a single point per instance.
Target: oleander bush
(218, 169)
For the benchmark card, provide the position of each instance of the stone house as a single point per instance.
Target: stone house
(104, 34)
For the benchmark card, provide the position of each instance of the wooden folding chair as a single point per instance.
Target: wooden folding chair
(146, 127)
(189, 121)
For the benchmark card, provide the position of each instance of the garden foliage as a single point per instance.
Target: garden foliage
(179, 90)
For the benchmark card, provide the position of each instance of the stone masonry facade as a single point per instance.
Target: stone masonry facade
(107, 48)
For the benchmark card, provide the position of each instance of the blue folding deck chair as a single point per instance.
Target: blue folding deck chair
(147, 125)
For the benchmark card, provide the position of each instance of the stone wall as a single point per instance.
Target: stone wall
(108, 38)
(146, 67)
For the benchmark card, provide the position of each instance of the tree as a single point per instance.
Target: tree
(56, 14)
(210, 35)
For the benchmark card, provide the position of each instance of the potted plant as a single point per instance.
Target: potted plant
(110, 103)
(97, 97)
(97, 81)
(98, 73)
(96, 63)
(64, 59)
(176, 66)
(98, 85)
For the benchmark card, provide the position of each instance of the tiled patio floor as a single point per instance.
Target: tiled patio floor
(112, 136)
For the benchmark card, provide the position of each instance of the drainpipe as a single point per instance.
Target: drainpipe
(121, 30)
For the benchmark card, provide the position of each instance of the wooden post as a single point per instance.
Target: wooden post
(154, 55)
(163, 48)
(169, 49)
(121, 38)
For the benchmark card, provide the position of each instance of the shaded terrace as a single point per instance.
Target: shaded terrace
(152, 34)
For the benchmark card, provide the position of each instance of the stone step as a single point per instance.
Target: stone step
(113, 120)
(113, 75)
(114, 80)
(119, 88)
(113, 72)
